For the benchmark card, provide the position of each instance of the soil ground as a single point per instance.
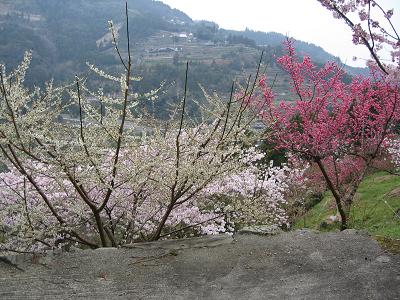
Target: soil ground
(295, 265)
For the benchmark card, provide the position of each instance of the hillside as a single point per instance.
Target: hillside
(64, 35)
(376, 209)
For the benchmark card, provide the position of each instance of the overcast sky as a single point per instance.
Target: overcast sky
(304, 20)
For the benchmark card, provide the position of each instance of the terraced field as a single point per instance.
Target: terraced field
(241, 59)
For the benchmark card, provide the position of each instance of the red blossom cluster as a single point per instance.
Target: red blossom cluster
(331, 117)
(342, 127)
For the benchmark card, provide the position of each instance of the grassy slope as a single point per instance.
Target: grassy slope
(373, 209)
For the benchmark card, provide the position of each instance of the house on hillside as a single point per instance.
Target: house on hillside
(164, 50)
(183, 36)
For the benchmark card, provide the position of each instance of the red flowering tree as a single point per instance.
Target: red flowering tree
(341, 127)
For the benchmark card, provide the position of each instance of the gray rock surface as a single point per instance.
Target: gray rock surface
(355, 231)
(198, 242)
(295, 265)
(261, 230)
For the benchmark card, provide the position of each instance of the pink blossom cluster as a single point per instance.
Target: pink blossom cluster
(373, 27)
(137, 205)
(259, 194)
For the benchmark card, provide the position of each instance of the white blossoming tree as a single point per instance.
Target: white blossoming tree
(112, 177)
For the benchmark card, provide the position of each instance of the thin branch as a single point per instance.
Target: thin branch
(127, 34)
(364, 40)
(369, 26)
(117, 48)
(83, 136)
(122, 125)
(12, 113)
(228, 110)
(388, 19)
(253, 87)
(174, 198)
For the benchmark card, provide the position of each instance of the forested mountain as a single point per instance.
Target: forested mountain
(64, 35)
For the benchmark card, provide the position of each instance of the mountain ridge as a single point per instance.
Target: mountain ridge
(64, 35)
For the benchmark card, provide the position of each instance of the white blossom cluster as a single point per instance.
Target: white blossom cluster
(116, 176)
(394, 151)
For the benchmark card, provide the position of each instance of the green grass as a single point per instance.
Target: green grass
(373, 208)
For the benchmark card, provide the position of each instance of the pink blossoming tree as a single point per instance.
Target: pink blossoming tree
(343, 128)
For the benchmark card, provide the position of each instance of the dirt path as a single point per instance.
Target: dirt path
(296, 265)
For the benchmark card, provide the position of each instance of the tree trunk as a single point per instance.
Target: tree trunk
(99, 224)
(335, 194)
(157, 234)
